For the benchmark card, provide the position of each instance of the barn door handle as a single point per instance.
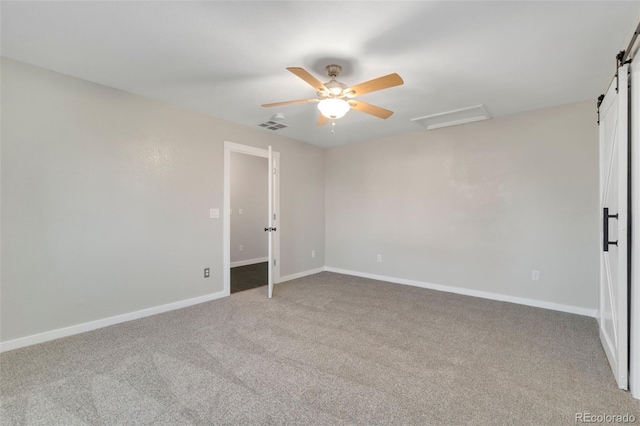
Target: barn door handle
(605, 228)
(269, 229)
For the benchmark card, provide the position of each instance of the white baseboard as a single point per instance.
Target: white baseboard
(248, 262)
(105, 322)
(476, 293)
(300, 275)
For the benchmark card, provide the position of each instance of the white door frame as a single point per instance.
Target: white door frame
(230, 147)
(634, 334)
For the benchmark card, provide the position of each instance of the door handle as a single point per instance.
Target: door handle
(605, 229)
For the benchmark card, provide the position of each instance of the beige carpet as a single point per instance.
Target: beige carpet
(328, 349)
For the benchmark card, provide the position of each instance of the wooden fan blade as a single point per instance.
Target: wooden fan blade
(308, 78)
(299, 101)
(370, 109)
(322, 120)
(379, 83)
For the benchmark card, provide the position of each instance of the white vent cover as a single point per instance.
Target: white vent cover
(272, 125)
(451, 118)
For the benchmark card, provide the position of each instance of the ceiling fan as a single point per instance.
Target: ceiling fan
(336, 98)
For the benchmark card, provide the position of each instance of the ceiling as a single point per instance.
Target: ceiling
(225, 59)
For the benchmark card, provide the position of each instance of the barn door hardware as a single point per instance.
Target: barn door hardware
(619, 62)
(600, 99)
(270, 229)
(624, 56)
(605, 229)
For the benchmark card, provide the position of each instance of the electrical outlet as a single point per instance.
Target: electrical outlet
(206, 272)
(241, 247)
(313, 253)
(379, 258)
(535, 275)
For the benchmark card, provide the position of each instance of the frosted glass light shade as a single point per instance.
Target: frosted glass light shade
(333, 108)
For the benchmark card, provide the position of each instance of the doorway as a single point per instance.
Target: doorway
(251, 242)
(249, 208)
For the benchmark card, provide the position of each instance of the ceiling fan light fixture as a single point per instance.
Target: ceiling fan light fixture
(335, 88)
(333, 108)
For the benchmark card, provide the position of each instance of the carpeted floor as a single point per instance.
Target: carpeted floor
(327, 349)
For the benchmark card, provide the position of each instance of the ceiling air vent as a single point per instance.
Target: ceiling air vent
(451, 118)
(272, 125)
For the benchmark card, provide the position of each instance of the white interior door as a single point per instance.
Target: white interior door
(271, 229)
(613, 311)
(273, 158)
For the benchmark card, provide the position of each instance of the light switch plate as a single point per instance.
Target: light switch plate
(214, 213)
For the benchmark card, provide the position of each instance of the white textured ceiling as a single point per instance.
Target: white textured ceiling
(226, 58)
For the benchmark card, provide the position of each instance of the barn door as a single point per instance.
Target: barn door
(613, 313)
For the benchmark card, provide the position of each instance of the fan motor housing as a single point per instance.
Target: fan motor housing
(335, 88)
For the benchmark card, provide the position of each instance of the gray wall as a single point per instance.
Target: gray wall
(106, 198)
(477, 206)
(249, 193)
(106, 195)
